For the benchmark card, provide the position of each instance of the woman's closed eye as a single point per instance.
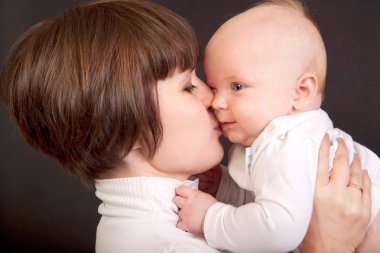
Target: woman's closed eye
(237, 86)
(190, 88)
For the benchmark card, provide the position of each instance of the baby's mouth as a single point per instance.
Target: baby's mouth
(226, 125)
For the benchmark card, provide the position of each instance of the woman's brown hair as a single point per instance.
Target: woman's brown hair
(82, 86)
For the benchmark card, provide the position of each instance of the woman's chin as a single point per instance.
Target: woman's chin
(219, 153)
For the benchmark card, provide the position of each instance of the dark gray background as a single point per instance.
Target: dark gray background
(43, 209)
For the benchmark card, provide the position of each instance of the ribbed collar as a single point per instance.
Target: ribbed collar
(276, 129)
(140, 197)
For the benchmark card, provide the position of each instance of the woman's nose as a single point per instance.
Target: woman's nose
(204, 93)
(208, 96)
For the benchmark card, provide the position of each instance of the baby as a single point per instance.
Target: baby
(267, 67)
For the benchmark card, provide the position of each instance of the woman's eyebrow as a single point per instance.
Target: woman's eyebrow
(186, 78)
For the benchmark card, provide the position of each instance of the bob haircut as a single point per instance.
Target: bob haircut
(82, 86)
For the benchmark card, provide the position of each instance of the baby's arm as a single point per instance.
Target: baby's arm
(283, 182)
(231, 193)
(192, 205)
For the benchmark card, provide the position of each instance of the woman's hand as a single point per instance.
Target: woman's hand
(342, 204)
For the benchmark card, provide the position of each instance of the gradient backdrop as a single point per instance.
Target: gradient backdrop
(43, 209)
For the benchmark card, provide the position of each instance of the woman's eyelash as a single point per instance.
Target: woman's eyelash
(190, 88)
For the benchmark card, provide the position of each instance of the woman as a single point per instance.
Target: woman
(109, 89)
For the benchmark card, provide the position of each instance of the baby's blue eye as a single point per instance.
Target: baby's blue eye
(237, 86)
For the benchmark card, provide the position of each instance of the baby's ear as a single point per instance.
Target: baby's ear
(305, 92)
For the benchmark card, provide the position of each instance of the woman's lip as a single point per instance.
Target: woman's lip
(217, 128)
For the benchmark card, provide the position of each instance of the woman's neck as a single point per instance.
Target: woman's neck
(136, 165)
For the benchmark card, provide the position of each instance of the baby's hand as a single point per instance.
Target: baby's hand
(192, 205)
(209, 180)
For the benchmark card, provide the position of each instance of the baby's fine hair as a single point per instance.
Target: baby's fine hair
(297, 5)
(301, 7)
(82, 86)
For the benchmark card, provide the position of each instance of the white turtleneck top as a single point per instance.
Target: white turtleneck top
(138, 215)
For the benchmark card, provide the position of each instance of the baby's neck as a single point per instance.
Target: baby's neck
(315, 104)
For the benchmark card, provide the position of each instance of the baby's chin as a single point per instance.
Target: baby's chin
(236, 139)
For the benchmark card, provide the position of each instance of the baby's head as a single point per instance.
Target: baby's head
(266, 62)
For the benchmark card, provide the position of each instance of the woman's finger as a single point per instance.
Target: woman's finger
(355, 183)
(355, 172)
(323, 162)
(340, 174)
(366, 196)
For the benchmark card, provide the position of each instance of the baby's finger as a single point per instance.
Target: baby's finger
(323, 162)
(178, 201)
(341, 172)
(181, 225)
(184, 191)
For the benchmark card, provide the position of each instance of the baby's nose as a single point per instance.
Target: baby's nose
(219, 102)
